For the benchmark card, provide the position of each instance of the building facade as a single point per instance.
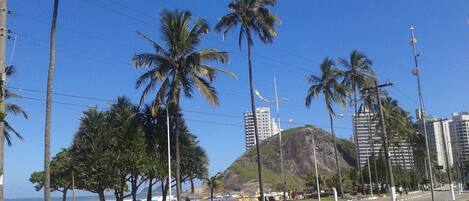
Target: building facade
(459, 129)
(266, 126)
(438, 132)
(369, 141)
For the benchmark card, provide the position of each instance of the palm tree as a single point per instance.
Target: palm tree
(47, 128)
(179, 67)
(213, 183)
(333, 91)
(254, 18)
(358, 71)
(13, 109)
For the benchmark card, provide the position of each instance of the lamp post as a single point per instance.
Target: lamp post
(277, 102)
(415, 71)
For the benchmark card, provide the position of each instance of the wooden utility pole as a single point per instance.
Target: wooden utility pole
(387, 156)
(3, 38)
(385, 136)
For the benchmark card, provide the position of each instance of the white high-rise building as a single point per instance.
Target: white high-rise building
(459, 127)
(439, 133)
(369, 141)
(265, 125)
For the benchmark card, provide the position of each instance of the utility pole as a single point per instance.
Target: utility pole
(3, 38)
(448, 167)
(315, 164)
(415, 71)
(385, 136)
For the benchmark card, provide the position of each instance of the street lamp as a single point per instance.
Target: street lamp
(276, 102)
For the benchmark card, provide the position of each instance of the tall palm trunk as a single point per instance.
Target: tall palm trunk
(254, 118)
(336, 156)
(359, 168)
(47, 129)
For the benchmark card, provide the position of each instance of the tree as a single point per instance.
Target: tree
(358, 72)
(333, 91)
(154, 127)
(195, 162)
(178, 68)
(47, 128)
(61, 174)
(254, 18)
(127, 149)
(11, 108)
(310, 181)
(213, 183)
(90, 152)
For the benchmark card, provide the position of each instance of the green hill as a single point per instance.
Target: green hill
(298, 157)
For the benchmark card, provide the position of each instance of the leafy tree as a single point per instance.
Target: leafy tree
(213, 183)
(154, 128)
(333, 91)
(254, 18)
(195, 163)
(180, 67)
(61, 174)
(310, 180)
(127, 149)
(90, 152)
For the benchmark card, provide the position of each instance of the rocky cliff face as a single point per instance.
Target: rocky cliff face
(298, 157)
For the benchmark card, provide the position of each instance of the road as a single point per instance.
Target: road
(440, 195)
(443, 195)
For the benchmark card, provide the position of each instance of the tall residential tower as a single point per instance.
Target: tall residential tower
(267, 127)
(369, 141)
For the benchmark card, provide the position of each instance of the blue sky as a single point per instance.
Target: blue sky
(96, 39)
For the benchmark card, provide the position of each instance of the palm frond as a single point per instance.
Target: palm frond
(206, 90)
(156, 46)
(8, 130)
(15, 110)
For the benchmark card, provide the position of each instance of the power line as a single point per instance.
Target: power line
(62, 94)
(211, 39)
(86, 106)
(111, 101)
(60, 102)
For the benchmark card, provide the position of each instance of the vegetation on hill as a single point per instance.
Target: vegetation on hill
(242, 175)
